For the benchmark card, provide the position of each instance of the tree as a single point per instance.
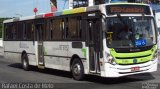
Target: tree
(1, 24)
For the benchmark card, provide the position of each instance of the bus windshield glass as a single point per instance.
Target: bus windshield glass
(130, 32)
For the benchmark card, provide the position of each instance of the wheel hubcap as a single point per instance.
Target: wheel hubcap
(77, 69)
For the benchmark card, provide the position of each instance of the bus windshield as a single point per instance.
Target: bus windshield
(130, 32)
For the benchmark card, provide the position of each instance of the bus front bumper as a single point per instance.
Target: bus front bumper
(124, 70)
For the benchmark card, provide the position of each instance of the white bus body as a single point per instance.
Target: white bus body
(93, 49)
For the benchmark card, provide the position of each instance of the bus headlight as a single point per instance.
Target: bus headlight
(155, 55)
(110, 59)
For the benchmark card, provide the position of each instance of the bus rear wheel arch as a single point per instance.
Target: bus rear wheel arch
(77, 69)
(25, 61)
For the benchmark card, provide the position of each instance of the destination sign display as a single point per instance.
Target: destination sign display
(127, 9)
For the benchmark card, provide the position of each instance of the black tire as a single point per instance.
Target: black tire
(25, 62)
(77, 69)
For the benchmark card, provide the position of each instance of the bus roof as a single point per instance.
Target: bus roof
(67, 12)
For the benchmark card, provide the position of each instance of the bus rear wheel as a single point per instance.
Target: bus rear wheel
(77, 69)
(25, 62)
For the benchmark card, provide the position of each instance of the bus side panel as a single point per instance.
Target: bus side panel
(81, 52)
(56, 55)
(13, 51)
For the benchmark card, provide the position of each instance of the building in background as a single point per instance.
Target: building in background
(84, 3)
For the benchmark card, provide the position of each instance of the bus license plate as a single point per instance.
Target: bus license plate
(135, 69)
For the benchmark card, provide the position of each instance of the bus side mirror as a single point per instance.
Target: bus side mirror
(103, 16)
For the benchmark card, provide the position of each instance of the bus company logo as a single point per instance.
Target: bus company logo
(134, 50)
(134, 61)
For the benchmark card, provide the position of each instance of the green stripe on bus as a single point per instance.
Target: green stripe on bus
(126, 58)
(65, 12)
(73, 11)
(84, 52)
(79, 10)
(131, 61)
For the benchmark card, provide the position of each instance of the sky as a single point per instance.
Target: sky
(17, 8)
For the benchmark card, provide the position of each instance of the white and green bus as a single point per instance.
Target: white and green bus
(108, 40)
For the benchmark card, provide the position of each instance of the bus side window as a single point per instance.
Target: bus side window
(49, 28)
(20, 30)
(79, 27)
(74, 28)
(14, 31)
(6, 31)
(9, 31)
(57, 31)
(24, 32)
(33, 32)
(66, 28)
(29, 30)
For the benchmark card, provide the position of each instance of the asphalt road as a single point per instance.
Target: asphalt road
(13, 73)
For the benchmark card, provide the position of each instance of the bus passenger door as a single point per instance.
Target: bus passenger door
(39, 45)
(94, 44)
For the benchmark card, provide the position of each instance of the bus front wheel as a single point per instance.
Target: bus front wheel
(25, 62)
(77, 69)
